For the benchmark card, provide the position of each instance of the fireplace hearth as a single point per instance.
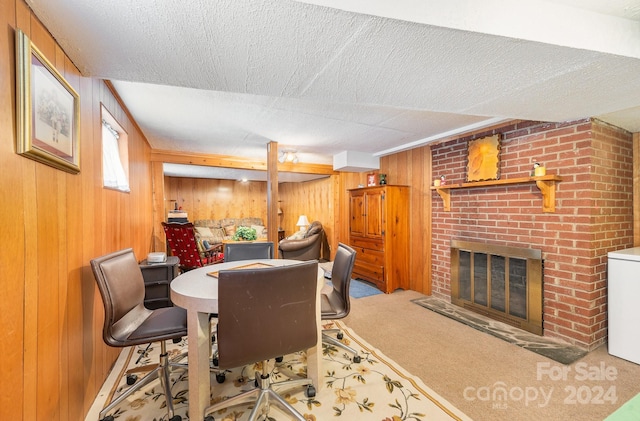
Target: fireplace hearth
(504, 283)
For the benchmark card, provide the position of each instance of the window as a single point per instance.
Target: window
(115, 155)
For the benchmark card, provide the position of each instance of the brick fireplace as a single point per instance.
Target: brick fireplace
(593, 215)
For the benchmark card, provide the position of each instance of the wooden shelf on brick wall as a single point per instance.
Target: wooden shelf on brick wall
(546, 184)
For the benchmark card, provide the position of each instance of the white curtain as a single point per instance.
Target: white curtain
(112, 170)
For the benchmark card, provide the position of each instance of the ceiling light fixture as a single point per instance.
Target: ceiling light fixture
(288, 156)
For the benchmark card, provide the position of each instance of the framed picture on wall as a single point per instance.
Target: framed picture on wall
(48, 114)
(371, 180)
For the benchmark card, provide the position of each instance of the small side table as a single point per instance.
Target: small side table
(157, 280)
(280, 235)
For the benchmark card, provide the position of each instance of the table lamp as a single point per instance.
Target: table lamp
(303, 222)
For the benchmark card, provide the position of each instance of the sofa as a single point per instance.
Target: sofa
(218, 230)
(311, 244)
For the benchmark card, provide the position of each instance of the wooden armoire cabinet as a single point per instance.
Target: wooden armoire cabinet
(379, 232)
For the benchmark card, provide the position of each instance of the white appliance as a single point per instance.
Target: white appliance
(624, 304)
(156, 257)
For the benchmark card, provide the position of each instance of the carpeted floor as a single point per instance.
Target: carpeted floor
(375, 389)
(555, 350)
(488, 378)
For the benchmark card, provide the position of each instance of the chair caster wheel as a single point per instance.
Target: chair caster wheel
(310, 392)
(357, 359)
(279, 359)
(215, 361)
(176, 340)
(221, 377)
(340, 335)
(108, 418)
(131, 379)
(209, 418)
(176, 418)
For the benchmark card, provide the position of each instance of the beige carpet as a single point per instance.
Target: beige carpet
(471, 369)
(375, 389)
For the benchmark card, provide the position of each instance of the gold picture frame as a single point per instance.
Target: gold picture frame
(483, 159)
(48, 110)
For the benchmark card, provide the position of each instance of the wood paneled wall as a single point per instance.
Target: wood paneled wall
(413, 168)
(55, 361)
(316, 199)
(204, 198)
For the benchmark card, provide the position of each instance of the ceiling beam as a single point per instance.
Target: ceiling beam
(228, 161)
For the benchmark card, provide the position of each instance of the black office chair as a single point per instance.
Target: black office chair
(234, 252)
(336, 303)
(127, 322)
(277, 317)
(247, 251)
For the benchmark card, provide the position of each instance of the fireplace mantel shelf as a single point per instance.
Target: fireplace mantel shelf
(546, 184)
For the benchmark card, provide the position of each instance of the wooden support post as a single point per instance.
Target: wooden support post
(272, 194)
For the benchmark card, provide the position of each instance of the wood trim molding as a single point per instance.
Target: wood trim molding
(124, 108)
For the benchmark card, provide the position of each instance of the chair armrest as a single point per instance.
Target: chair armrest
(290, 245)
(215, 247)
(213, 254)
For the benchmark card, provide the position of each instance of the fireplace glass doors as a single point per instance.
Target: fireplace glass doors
(504, 283)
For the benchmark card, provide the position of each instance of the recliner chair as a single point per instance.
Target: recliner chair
(314, 245)
(277, 318)
(127, 322)
(336, 304)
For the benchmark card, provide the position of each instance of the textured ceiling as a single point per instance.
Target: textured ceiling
(322, 77)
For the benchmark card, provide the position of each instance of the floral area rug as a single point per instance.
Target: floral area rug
(374, 389)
